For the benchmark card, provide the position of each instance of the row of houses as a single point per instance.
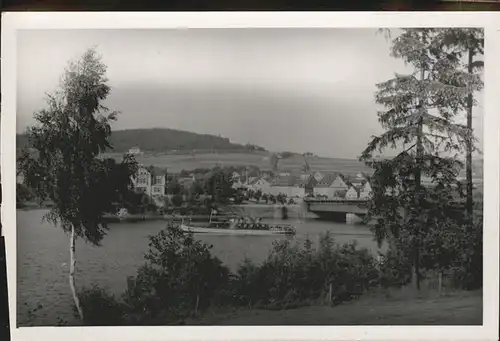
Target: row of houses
(329, 185)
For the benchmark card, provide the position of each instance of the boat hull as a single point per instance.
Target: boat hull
(228, 231)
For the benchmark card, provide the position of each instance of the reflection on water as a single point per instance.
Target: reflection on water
(43, 256)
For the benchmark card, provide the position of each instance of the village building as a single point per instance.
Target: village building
(352, 193)
(260, 184)
(153, 185)
(238, 184)
(362, 185)
(309, 185)
(304, 176)
(329, 184)
(135, 151)
(290, 186)
(158, 185)
(142, 182)
(365, 191)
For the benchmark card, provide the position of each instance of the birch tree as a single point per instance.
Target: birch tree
(418, 118)
(63, 164)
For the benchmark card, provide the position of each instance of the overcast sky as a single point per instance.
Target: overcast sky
(285, 89)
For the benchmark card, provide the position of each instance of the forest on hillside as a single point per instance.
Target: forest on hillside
(163, 140)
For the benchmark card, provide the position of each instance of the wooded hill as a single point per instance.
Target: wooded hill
(164, 140)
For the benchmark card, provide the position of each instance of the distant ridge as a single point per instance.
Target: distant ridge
(164, 140)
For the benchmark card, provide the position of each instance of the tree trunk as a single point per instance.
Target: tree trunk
(469, 145)
(72, 269)
(418, 185)
(440, 283)
(197, 304)
(330, 294)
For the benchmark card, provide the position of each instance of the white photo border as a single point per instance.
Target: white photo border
(490, 21)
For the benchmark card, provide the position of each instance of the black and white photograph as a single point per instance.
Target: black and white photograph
(250, 176)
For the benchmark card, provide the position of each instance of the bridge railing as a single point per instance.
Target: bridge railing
(333, 200)
(455, 203)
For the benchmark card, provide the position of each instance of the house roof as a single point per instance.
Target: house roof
(309, 182)
(328, 179)
(253, 181)
(356, 181)
(286, 181)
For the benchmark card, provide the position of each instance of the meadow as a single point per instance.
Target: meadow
(175, 162)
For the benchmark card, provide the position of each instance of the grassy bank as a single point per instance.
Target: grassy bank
(395, 308)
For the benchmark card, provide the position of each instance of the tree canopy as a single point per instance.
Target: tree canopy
(69, 135)
(418, 115)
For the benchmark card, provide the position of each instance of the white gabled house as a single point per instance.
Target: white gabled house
(352, 193)
(365, 191)
(260, 184)
(305, 176)
(330, 184)
(135, 151)
(237, 184)
(236, 176)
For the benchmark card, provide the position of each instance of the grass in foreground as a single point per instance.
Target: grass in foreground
(389, 308)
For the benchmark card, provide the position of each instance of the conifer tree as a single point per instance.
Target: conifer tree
(419, 109)
(468, 44)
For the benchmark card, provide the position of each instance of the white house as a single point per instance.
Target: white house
(152, 185)
(352, 193)
(260, 184)
(135, 151)
(365, 191)
(142, 182)
(426, 181)
(158, 186)
(237, 184)
(304, 176)
(330, 184)
(290, 186)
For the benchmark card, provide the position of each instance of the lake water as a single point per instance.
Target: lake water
(43, 257)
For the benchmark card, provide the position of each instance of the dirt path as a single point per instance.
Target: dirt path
(462, 309)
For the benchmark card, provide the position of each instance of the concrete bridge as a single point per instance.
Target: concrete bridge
(336, 209)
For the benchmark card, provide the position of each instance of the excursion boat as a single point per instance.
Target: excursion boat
(236, 228)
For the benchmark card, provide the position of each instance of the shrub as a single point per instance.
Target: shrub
(180, 278)
(295, 274)
(100, 308)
